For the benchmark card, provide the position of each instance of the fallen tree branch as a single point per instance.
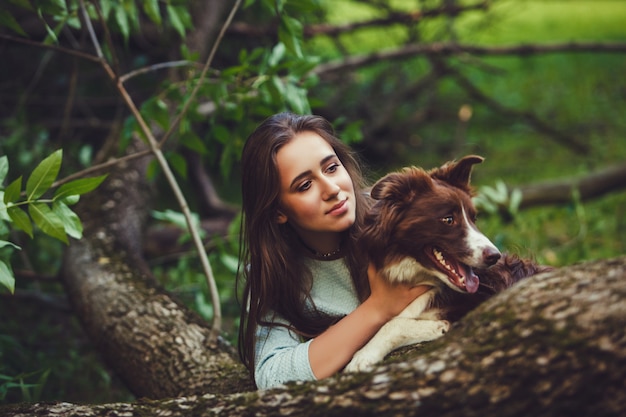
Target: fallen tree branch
(552, 345)
(594, 185)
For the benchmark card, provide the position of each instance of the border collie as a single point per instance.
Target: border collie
(421, 231)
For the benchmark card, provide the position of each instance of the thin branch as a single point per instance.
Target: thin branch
(169, 175)
(83, 55)
(155, 67)
(100, 167)
(444, 49)
(92, 34)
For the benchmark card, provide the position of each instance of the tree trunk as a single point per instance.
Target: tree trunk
(552, 345)
(157, 346)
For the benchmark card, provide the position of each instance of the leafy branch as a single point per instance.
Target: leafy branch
(53, 216)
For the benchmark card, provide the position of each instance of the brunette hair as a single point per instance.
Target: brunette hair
(273, 279)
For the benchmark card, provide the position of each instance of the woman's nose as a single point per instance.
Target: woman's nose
(330, 190)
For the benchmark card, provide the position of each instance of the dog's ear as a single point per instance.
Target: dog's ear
(457, 173)
(401, 186)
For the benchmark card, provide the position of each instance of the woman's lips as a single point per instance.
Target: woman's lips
(338, 208)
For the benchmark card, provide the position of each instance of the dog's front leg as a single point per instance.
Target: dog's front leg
(398, 332)
(404, 329)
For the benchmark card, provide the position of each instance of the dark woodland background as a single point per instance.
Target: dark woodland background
(535, 87)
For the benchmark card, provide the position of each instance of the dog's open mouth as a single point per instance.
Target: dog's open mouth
(459, 274)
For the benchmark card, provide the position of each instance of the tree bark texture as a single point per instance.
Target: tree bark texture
(157, 346)
(552, 345)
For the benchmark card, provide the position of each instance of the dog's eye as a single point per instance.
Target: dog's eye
(448, 220)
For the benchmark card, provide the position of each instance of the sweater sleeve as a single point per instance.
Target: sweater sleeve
(280, 357)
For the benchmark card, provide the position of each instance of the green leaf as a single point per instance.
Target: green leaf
(71, 222)
(6, 277)
(4, 168)
(7, 20)
(106, 7)
(176, 20)
(20, 220)
(4, 243)
(122, 21)
(230, 262)
(53, 7)
(71, 200)
(178, 164)
(290, 33)
(151, 7)
(78, 187)
(12, 192)
(43, 175)
(25, 4)
(278, 52)
(297, 98)
(192, 141)
(48, 221)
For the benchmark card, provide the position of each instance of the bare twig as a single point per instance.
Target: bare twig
(155, 67)
(80, 54)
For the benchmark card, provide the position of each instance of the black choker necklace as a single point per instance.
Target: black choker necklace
(327, 254)
(320, 255)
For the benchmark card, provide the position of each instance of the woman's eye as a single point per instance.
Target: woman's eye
(332, 168)
(304, 186)
(448, 220)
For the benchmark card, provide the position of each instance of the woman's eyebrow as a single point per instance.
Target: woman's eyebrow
(305, 174)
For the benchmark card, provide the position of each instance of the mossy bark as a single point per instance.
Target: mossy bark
(553, 345)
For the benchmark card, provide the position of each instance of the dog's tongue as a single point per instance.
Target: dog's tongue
(471, 279)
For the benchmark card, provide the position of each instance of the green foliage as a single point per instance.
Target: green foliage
(30, 391)
(120, 15)
(582, 93)
(498, 200)
(51, 215)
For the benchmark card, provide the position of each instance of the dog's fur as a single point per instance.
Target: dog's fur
(421, 231)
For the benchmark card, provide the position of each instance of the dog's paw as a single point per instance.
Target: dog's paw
(360, 362)
(434, 329)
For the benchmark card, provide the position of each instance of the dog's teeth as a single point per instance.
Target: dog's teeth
(442, 261)
(445, 264)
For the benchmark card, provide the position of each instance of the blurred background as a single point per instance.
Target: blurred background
(535, 87)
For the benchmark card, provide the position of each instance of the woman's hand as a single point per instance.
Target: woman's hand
(391, 299)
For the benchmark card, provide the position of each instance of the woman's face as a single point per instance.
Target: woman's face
(316, 192)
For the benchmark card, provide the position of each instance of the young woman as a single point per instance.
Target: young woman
(309, 299)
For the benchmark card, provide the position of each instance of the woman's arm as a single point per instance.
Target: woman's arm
(280, 356)
(332, 350)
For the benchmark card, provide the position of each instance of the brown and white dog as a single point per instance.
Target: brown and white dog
(421, 231)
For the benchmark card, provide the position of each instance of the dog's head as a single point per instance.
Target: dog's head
(421, 228)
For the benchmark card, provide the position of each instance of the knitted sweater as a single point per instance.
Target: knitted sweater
(281, 355)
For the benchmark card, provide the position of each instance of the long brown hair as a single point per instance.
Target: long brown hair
(273, 278)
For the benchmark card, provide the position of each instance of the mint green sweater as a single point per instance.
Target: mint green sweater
(282, 356)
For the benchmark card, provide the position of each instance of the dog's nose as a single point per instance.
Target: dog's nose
(491, 256)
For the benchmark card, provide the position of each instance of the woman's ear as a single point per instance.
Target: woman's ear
(281, 218)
